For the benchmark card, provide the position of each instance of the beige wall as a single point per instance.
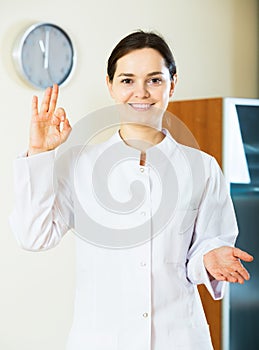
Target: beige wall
(216, 48)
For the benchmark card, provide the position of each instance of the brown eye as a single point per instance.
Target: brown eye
(127, 81)
(155, 81)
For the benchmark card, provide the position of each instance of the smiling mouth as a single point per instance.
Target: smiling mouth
(142, 107)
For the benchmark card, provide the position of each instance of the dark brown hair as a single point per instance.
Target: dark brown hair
(140, 40)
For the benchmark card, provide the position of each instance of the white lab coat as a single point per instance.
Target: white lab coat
(138, 263)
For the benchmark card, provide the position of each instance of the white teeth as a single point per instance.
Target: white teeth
(141, 106)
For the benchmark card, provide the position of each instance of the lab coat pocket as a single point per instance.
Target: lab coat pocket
(178, 236)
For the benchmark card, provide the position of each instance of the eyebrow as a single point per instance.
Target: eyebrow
(132, 75)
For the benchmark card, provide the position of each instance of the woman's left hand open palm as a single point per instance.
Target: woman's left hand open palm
(224, 264)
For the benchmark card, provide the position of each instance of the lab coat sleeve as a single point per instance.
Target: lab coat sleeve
(215, 226)
(43, 209)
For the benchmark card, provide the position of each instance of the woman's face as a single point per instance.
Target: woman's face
(142, 81)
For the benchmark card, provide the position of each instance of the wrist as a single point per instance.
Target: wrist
(33, 151)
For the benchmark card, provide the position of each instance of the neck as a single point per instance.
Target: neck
(139, 136)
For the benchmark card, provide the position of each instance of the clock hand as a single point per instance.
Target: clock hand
(46, 56)
(42, 47)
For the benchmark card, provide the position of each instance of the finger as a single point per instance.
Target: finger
(230, 275)
(238, 278)
(66, 125)
(53, 99)
(34, 107)
(65, 130)
(232, 278)
(59, 116)
(244, 273)
(238, 253)
(219, 277)
(45, 102)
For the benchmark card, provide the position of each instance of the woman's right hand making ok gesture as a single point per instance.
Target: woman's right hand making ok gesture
(49, 126)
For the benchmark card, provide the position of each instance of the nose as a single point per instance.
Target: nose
(141, 90)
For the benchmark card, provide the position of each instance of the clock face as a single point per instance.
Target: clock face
(45, 55)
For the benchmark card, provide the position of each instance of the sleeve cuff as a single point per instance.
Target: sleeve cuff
(198, 274)
(215, 288)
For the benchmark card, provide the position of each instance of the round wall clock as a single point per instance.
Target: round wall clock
(44, 55)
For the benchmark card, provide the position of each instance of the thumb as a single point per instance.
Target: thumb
(66, 129)
(241, 254)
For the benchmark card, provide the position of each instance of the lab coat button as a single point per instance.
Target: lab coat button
(143, 264)
(145, 314)
(141, 169)
(143, 213)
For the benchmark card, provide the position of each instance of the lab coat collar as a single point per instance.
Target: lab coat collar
(166, 146)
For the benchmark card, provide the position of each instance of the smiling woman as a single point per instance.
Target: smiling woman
(161, 223)
(144, 87)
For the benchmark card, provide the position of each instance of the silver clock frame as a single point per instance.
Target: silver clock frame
(18, 48)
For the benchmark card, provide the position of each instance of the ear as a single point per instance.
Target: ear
(172, 87)
(109, 85)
